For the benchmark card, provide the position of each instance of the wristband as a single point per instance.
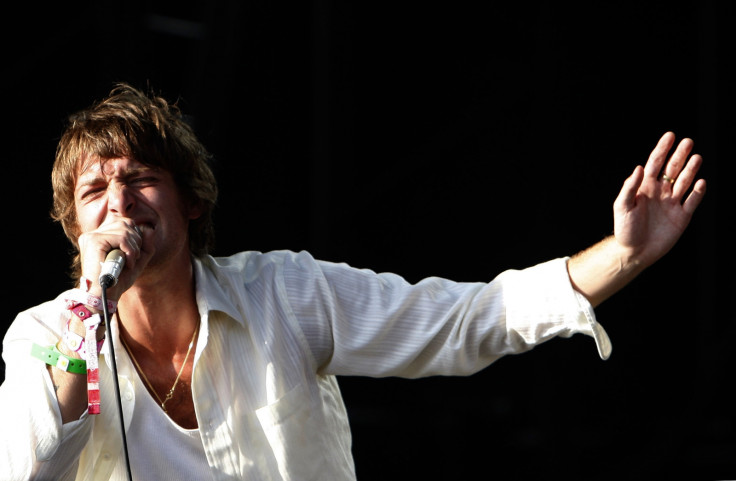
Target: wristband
(53, 357)
(75, 343)
(78, 296)
(93, 372)
(83, 314)
(81, 311)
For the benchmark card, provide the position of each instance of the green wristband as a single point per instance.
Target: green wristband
(51, 356)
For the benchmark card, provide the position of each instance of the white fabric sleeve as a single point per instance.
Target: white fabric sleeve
(358, 322)
(541, 303)
(33, 442)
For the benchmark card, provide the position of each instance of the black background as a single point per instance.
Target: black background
(450, 139)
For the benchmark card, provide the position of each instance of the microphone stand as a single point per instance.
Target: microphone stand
(116, 383)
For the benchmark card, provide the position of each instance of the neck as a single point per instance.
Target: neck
(159, 319)
(159, 313)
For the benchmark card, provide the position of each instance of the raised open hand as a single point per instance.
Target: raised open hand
(656, 202)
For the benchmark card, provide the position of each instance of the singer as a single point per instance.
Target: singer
(227, 365)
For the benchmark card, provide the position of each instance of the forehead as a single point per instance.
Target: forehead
(96, 168)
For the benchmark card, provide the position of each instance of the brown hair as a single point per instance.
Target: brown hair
(144, 127)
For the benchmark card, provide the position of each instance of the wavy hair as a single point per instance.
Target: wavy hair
(140, 126)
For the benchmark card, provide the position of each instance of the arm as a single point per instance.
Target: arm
(71, 388)
(649, 218)
(33, 440)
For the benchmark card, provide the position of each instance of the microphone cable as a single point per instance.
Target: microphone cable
(108, 332)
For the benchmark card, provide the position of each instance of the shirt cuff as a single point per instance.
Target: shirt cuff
(541, 303)
(590, 326)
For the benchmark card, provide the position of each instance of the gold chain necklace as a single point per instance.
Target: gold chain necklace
(176, 381)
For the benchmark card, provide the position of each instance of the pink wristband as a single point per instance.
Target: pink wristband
(78, 296)
(76, 343)
(81, 311)
(91, 356)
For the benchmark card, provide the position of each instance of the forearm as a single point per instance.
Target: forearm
(33, 442)
(71, 391)
(603, 269)
(43, 409)
(72, 388)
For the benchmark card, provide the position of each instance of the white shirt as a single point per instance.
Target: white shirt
(170, 451)
(276, 330)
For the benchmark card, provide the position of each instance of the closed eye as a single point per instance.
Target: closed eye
(91, 191)
(143, 181)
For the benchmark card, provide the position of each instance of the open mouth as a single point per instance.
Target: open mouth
(144, 226)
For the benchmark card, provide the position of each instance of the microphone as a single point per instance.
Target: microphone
(111, 268)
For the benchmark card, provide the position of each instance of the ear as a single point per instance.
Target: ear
(194, 211)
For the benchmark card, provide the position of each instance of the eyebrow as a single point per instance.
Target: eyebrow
(87, 179)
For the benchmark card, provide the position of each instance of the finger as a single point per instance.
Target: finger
(687, 176)
(131, 241)
(674, 166)
(659, 155)
(626, 199)
(696, 196)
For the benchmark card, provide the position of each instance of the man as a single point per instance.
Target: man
(227, 366)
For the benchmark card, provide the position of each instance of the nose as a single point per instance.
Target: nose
(119, 199)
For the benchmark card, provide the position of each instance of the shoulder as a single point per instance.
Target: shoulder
(41, 323)
(249, 265)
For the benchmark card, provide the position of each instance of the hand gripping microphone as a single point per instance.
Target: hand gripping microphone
(111, 268)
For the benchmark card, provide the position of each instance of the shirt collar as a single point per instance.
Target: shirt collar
(210, 292)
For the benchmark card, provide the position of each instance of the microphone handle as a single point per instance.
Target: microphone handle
(112, 267)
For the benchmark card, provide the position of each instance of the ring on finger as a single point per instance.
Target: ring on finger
(667, 178)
